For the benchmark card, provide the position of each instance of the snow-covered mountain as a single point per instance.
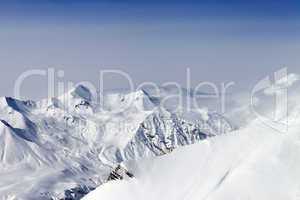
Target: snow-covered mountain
(255, 162)
(259, 160)
(66, 146)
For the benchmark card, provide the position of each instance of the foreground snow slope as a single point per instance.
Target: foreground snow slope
(256, 162)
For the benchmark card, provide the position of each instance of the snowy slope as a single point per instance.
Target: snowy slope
(253, 163)
(256, 161)
(72, 143)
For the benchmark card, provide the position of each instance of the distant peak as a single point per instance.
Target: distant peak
(15, 104)
(81, 91)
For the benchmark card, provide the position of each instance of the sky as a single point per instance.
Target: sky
(219, 41)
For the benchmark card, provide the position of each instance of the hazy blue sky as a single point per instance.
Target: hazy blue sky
(239, 41)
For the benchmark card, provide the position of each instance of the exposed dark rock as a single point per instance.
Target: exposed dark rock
(119, 173)
(77, 193)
